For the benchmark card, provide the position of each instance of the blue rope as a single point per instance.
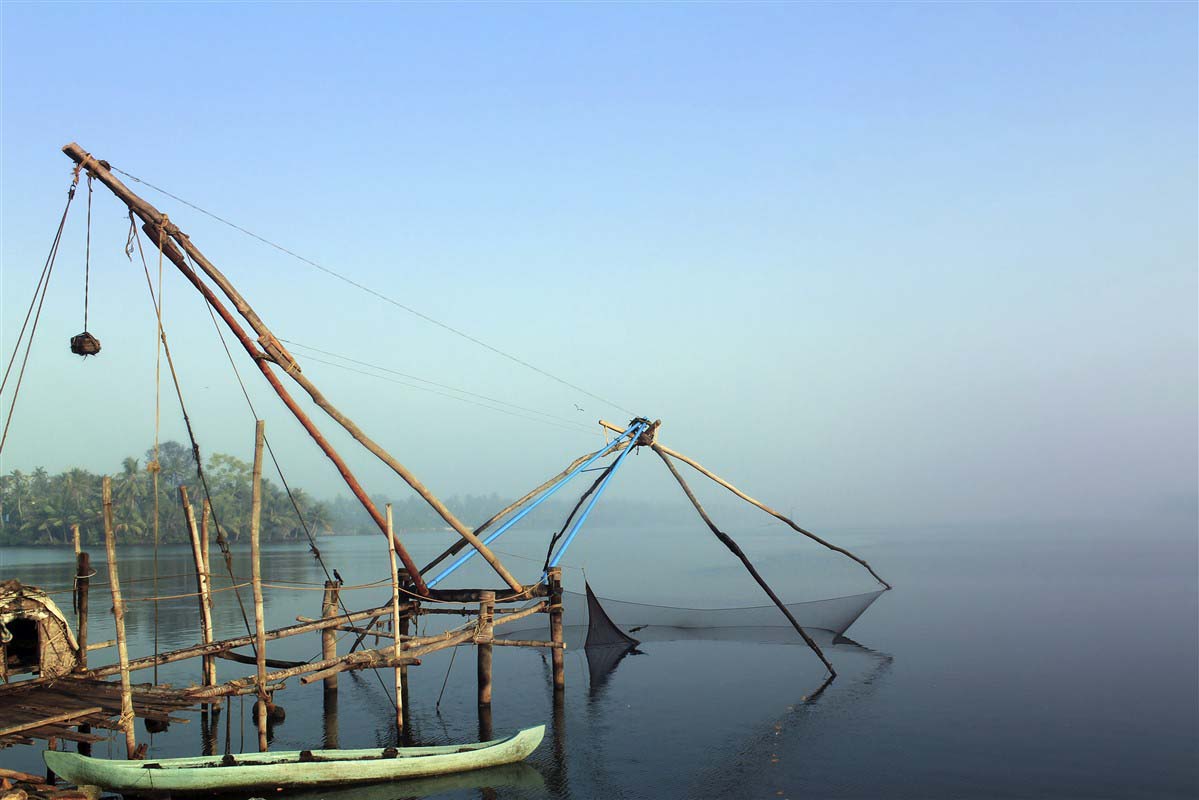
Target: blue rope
(633, 431)
(636, 431)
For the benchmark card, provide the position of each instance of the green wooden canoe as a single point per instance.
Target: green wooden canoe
(210, 774)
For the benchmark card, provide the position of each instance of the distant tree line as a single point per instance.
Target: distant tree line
(37, 508)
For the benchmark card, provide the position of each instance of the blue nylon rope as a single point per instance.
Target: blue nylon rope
(634, 431)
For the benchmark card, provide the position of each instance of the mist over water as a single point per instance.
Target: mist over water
(1010, 661)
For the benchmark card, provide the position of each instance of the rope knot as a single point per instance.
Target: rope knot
(153, 466)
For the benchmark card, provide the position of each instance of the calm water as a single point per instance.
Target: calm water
(1023, 661)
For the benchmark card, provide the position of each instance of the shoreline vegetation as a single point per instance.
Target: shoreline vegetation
(39, 509)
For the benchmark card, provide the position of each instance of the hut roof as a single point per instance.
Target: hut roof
(18, 601)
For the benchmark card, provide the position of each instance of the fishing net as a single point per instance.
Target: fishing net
(834, 615)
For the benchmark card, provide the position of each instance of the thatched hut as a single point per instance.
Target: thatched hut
(34, 634)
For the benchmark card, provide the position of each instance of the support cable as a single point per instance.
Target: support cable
(377, 294)
(221, 541)
(43, 286)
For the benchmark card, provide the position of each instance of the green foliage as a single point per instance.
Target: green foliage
(39, 508)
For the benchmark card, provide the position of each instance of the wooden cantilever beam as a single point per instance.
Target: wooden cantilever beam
(663, 449)
(159, 228)
(277, 354)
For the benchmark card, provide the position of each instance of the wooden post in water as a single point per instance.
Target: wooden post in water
(395, 627)
(256, 579)
(83, 580)
(557, 654)
(204, 515)
(118, 613)
(483, 641)
(202, 586)
(329, 635)
(75, 536)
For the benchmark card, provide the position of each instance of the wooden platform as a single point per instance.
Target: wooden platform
(52, 709)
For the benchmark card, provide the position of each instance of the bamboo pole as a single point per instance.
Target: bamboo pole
(483, 642)
(205, 513)
(83, 580)
(155, 222)
(118, 613)
(75, 536)
(399, 643)
(663, 449)
(736, 550)
(558, 657)
(256, 578)
(204, 596)
(239, 641)
(156, 226)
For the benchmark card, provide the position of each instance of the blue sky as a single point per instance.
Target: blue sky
(914, 263)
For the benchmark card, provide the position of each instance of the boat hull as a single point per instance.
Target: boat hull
(206, 775)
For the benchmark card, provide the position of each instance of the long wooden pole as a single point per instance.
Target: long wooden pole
(154, 222)
(202, 587)
(737, 551)
(204, 515)
(118, 613)
(83, 580)
(399, 643)
(661, 448)
(483, 644)
(256, 578)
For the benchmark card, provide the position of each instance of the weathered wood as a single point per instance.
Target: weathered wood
(83, 580)
(328, 637)
(238, 641)
(159, 227)
(160, 230)
(256, 580)
(273, 663)
(40, 721)
(483, 641)
(557, 655)
(118, 613)
(203, 594)
(527, 643)
(736, 550)
(75, 536)
(526, 592)
(398, 647)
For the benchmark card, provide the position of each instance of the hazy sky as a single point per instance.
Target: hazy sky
(919, 263)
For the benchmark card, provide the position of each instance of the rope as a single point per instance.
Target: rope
(548, 416)
(221, 541)
(379, 295)
(87, 252)
(42, 285)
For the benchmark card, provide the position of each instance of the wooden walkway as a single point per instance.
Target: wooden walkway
(52, 709)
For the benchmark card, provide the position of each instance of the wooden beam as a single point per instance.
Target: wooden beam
(66, 716)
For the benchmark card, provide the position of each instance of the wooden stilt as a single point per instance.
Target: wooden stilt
(483, 640)
(118, 613)
(736, 550)
(329, 635)
(75, 536)
(83, 579)
(558, 653)
(256, 579)
(204, 515)
(204, 595)
(332, 739)
(395, 618)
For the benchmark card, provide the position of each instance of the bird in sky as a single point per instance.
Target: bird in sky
(337, 577)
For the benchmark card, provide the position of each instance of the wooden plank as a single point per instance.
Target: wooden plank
(66, 716)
